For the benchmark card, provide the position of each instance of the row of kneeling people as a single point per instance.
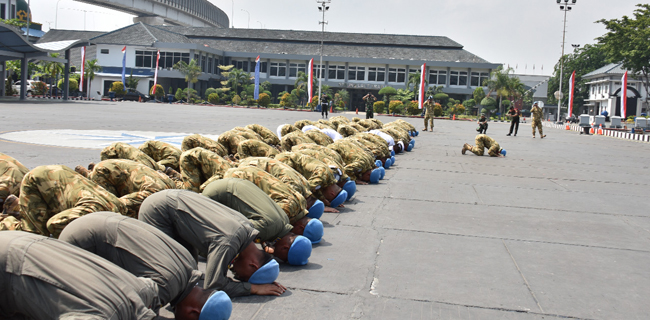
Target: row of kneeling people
(150, 222)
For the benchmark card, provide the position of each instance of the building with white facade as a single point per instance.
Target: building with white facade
(605, 92)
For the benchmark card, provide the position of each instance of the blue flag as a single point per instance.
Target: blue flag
(256, 93)
(124, 67)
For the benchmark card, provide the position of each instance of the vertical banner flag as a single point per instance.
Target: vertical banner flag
(624, 96)
(310, 81)
(256, 94)
(572, 82)
(124, 67)
(83, 65)
(155, 74)
(423, 73)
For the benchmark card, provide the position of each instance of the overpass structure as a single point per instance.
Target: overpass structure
(191, 13)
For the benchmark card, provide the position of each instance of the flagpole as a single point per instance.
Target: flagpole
(322, 8)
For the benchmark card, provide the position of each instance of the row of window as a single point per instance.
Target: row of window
(147, 59)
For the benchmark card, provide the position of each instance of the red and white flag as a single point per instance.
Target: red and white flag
(155, 74)
(423, 73)
(83, 66)
(572, 82)
(624, 96)
(310, 83)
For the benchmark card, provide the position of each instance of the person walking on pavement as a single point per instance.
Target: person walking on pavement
(428, 115)
(370, 101)
(514, 122)
(536, 111)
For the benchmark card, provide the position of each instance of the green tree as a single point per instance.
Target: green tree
(479, 95)
(499, 83)
(118, 88)
(341, 98)
(264, 100)
(403, 95)
(191, 71)
(266, 86)
(236, 79)
(132, 82)
(627, 42)
(52, 69)
(414, 80)
(301, 84)
(90, 68)
(489, 105)
(73, 84)
(387, 92)
(379, 106)
(213, 98)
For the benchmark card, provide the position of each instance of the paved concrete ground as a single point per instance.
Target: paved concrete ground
(558, 229)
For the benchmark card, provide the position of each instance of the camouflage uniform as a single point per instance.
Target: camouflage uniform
(536, 111)
(407, 125)
(398, 133)
(285, 129)
(374, 143)
(356, 158)
(368, 124)
(356, 119)
(231, 139)
(164, 153)
(318, 174)
(267, 135)
(292, 202)
(483, 141)
(199, 167)
(347, 130)
(302, 123)
(322, 124)
(281, 171)
(53, 196)
(132, 182)
(428, 115)
(378, 122)
(294, 138)
(340, 119)
(197, 140)
(319, 137)
(11, 174)
(255, 148)
(325, 155)
(120, 150)
(370, 110)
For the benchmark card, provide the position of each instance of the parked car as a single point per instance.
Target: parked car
(135, 95)
(30, 87)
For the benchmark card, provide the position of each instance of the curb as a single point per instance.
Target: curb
(606, 132)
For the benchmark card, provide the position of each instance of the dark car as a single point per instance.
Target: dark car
(135, 95)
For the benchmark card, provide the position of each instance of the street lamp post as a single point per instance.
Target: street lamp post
(249, 18)
(56, 16)
(232, 17)
(566, 6)
(323, 6)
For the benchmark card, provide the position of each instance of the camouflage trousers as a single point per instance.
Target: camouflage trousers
(199, 167)
(537, 124)
(479, 149)
(429, 118)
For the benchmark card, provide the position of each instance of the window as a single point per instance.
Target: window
(357, 73)
(294, 68)
(396, 75)
(241, 65)
(203, 63)
(376, 74)
(210, 70)
(104, 51)
(319, 71)
(458, 78)
(2, 11)
(145, 59)
(278, 69)
(336, 72)
(263, 67)
(438, 77)
(478, 79)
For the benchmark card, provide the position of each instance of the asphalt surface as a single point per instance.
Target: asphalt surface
(560, 228)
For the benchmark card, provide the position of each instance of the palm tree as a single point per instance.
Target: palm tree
(516, 89)
(237, 78)
(52, 69)
(191, 71)
(499, 84)
(91, 67)
(414, 79)
(301, 83)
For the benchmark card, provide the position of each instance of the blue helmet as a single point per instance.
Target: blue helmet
(383, 173)
(300, 251)
(375, 175)
(503, 152)
(417, 133)
(378, 163)
(340, 198)
(266, 273)
(388, 163)
(218, 307)
(350, 187)
(410, 147)
(392, 158)
(316, 210)
(314, 231)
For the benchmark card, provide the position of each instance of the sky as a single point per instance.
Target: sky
(520, 33)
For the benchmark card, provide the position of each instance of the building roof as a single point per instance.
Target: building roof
(62, 35)
(610, 69)
(140, 34)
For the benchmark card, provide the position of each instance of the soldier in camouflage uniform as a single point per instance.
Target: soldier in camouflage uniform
(199, 167)
(164, 153)
(483, 141)
(131, 181)
(255, 148)
(53, 196)
(328, 156)
(536, 111)
(377, 145)
(11, 174)
(347, 130)
(368, 124)
(322, 123)
(319, 137)
(120, 150)
(231, 139)
(294, 138)
(197, 140)
(359, 161)
(284, 173)
(428, 115)
(378, 122)
(302, 123)
(292, 202)
(406, 125)
(370, 101)
(284, 129)
(267, 135)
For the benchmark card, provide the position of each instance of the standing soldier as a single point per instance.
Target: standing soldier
(324, 104)
(514, 123)
(483, 141)
(370, 101)
(428, 115)
(537, 120)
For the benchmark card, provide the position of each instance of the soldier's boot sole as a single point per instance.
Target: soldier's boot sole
(82, 171)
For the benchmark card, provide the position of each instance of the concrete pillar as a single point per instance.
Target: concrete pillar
(469, 78)
(3, 75)
(347, 65)
(286, 72)
(386, 75)
(66, 75)
(326, 76)
(23, 78)
(448, 77)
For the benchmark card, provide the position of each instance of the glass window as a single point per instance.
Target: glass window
(401, 75)
(263, 66)
(336, 72)
(294, 68)
(474, 80)
(357, 73)
(396, 75)
(319, 71)
(462, 78)
(453, 78)
(376, 74)
(442, 77)
(203, 63)
(145, 59)
(210, 65)
(104, 51)
(278, 69)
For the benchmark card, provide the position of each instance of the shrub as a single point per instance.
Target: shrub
(160, 92)
(412, 108)
(210, 91)
(74, 85)
(286, 100)
(396, 107)
(179, 94)
(264, 100)
(460, 109)
(379, 106)
(9, 89)
(314, 102)
(39, 88)
(236, 99)
(274, 105)
(118, 88)
(437, 110)
(213, 98)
